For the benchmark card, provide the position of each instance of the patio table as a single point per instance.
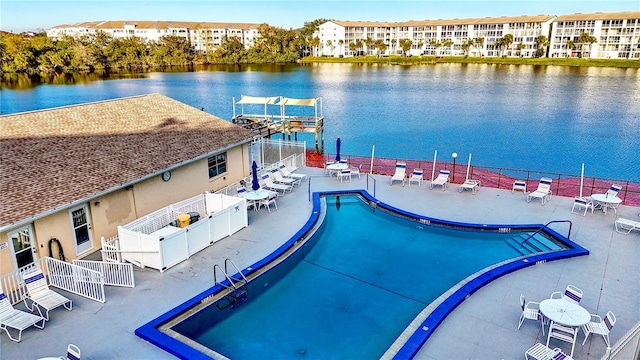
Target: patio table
(606, 201)
(564, 312)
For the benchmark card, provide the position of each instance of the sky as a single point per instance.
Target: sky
(29, 15)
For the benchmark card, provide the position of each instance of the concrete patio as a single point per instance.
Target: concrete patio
(483, 327)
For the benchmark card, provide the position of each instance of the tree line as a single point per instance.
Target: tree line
(100, 51)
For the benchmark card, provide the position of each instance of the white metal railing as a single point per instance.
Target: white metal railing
(114, 274)
(628, 347)
(75, 279)
(110, 249)
(69, 277)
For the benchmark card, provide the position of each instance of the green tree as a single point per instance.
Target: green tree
(520, 47)
(330, 46)
(315, 44)
(586, 38)
(466, 46)
(341, 45)
(380, 46)
(571, 46)
(436, 45)
(353, 47)
(230, 51)
(447, 44)
(541, 43)
(359, 44)
(505, 42)
(480, 43)
(405, 45)
(368, 42)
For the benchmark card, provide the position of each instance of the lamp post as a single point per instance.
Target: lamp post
(454, 156)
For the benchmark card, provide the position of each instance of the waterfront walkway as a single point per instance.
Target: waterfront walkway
(483, 327)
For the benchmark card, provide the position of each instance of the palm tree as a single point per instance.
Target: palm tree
(520, 46)
(353, 47)
(405, 45)
(359, 44)
(466, 45)
(380, 46)
(507, 40)
(448, 43)
(480, 42)
(586, 38)
(315, 43)
(331, 46)
(368, 41)
(542, 42)
(570, 45)
(435, 44)
(341, 43)
(420, 45)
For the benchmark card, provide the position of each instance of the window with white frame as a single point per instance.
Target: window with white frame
(217, 164)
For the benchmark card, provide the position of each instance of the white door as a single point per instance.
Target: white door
(81, 228)
(23, 246)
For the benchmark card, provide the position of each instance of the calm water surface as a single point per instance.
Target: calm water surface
(541, 118)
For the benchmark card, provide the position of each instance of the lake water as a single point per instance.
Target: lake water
(542, 118)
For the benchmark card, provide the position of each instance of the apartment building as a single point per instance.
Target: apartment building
(614, 35)
(203, 36)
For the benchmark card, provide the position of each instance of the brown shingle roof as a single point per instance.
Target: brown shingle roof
(600, 16)
(53, 157)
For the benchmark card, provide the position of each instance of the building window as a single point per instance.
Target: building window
(217, 165)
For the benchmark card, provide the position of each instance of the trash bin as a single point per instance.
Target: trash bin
(183, 220)
(193, 217)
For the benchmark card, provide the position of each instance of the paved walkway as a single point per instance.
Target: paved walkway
(482, 327)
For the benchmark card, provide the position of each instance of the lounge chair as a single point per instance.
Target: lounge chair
(268, 183)
(581, 205)
(543, 192)
(417, 176)
(625, 226)
(400, 173)
(542, 352)
(11, 318)
(280, 179)
(441, 180)
(288, 174)
(469, 184)
(40, 295)
(599, 326)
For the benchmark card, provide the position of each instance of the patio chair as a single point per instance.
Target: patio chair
(417, 176)
(288, 174)
(280, 179)
(345, 174)
(563, 333)
(625, 226)
(326, 170)
(40, 295)
(599, 326)
(543, 192)
(573, 293)
(519, 185)
(531, 311)
(268, 183)
(581, 205)
(442, 180)
(73, 353)
(271, 199)
(469, 184)
(400, 173)
(355, 170)
(613, 190)
(11, 318)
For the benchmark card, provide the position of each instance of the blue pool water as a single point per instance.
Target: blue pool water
(351, 289)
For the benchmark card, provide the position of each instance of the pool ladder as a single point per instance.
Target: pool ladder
(237, 288)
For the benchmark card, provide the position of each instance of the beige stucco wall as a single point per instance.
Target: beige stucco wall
(122, 206)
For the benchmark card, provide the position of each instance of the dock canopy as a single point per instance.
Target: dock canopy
(300, 102)
(258, 100)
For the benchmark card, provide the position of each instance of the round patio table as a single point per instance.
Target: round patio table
(564, 312)
(606, 201)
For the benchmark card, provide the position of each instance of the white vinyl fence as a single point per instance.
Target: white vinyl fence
(115, 274)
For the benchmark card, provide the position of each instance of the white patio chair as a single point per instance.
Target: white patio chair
(519, 185)
(11, 318)
(599, 326)
(417, 176)
(573, 293)
(400, 173)
(326, 170)
(625, 226)
(581, 205)
(441, 180)
(531, 311)
(271, 199)
(355, 170)
(469, 184)
(563, 333)
(73, 353)
(40, 295)
(543, 192)
(613, 190)
(345, 174)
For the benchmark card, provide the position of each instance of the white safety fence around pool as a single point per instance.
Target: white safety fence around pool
(114, 274)
(160, 241)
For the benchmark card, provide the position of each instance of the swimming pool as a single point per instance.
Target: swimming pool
(318, 302)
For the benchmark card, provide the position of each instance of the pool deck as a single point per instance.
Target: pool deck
(483, 327)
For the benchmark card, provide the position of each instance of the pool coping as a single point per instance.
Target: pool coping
(407, 345)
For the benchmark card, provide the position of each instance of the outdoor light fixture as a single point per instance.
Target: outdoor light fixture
(454, 156)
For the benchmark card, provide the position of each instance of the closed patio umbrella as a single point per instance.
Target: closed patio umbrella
(338, 149)
(255, 185)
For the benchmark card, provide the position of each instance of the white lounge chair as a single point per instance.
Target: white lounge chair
(417, 176)
(599, 326)
(441, 180)
(563, 333)
(543, 192)
(268, 183)
(625, 226)
(542, 352)
(469, 184)
(11, 318)
(400, 174)
(581, 205)
(287, 173)
(280, 179)
(531, 311)
(40, 295)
